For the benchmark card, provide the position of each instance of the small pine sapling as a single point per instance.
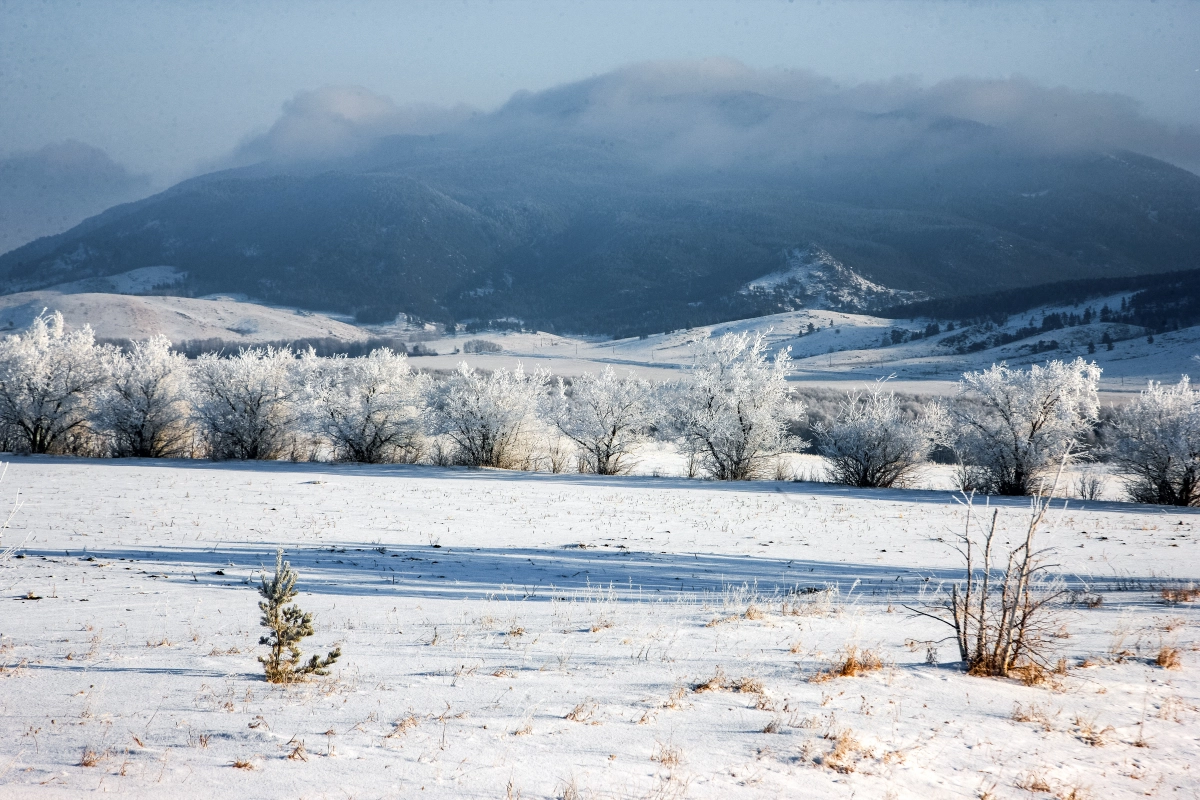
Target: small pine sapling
(287, 625)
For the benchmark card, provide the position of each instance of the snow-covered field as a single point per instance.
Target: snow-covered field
(532, 635)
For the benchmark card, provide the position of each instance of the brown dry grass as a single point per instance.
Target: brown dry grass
(850, 663)
(720, 682)
(1033, 713)
(92, 757)
(1175, 596)
(1169, 658)
(846, 754)
(403, 725)
(583, 712)
(242, 763)
(670, 757)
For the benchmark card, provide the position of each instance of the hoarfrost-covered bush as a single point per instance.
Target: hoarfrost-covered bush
(143, 410)
(606, 417)
(1023, 422)
(733, 407)
(872, 442)
(1156, 445)
(246, 404)
(370, 408)
(49, 378)
(489, 417)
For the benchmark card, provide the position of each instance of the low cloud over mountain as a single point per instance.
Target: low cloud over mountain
(50, 190)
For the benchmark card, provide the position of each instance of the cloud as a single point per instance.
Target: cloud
(719, 113)
(337, 121)
(722, 111)
(50, 190)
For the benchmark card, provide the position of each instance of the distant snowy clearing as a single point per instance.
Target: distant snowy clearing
(512, 634)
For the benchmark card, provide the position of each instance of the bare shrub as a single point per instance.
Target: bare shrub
(872, 443)
(481, 346)
(288, 626)
(1089, 485)
(1020, 423)
(1000, 618)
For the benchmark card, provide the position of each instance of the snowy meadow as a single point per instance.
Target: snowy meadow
(295, 576)
(534, 635)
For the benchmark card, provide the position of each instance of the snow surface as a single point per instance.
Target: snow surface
(486, 606)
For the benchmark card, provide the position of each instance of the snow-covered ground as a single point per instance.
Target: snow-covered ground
(533, 635)
(840, 349)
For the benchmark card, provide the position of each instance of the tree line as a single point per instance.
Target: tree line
(732, 415)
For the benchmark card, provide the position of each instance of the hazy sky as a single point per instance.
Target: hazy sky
(166, 87)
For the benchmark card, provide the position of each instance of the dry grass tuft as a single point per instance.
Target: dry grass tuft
(1169, 658)
(754, 612)
(1033, 782)
(720, 682)
(851, 663)
(846, 754)
(602, 623)
(1033, 713)
(242, 763)
(1029, 673)
(92, 757)
(1089, 732)
(583, 712)
(298, 752)
(670, 757)
(1175, 596)
(403, 725)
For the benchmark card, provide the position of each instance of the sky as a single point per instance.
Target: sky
(168, 89)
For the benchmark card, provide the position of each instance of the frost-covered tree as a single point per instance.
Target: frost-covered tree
(606, 417)
(1155, 445)
(489, 417)
(370, 408)
(1017, 425)
(733, 406)
(49, 378)
(143, 410)
(873, 442)
(246, 404)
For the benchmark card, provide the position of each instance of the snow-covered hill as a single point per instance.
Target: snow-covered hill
(815, 279)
